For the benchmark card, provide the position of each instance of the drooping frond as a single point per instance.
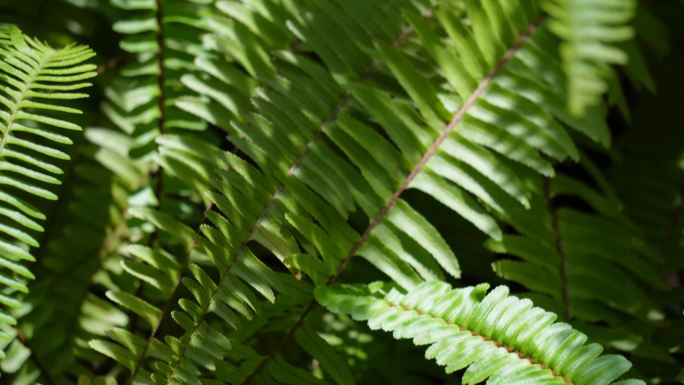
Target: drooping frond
(37, 82)
(592, 31)
(499, 338)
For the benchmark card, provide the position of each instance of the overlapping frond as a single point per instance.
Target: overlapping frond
(248, 152)
(161, 39)
(38, 81)
(464, 102)
(592, 245)
(499, 338)
(589, 264)
(324, 144)
(250, 271)
(75, 262)
(592, 32)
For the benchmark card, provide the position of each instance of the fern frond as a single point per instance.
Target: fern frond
(248, 269)
(82, 237)
(350, 135)
(497, 337)
(38, 81)
(255, 153)
(652, 198)
(578, 249)
(565, 264)
(162, 39)
(592, 32)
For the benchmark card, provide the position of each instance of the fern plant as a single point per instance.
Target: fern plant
(520, 345)
(249, 166)
(37, 80)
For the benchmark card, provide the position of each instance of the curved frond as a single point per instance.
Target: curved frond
(333, 111)
(380, 141)
(37, 83)
(499, 338)
(83, 236)
(246, 157)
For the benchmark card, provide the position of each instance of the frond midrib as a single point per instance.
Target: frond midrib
(22, 96)
(344, 100)
(494, 342)
(377, 220)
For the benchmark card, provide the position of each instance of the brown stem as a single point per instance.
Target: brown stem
(457, 118)
(339, 107)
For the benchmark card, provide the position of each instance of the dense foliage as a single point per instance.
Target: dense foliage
(256, 191)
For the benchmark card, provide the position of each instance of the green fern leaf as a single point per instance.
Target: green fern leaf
(37, 82)
(466, 102)
(497, 337)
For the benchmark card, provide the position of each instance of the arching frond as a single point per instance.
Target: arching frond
(38, 81)
(242, 158)
(83, 235)
(381, 120)
(253, 150)
(499, 338)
